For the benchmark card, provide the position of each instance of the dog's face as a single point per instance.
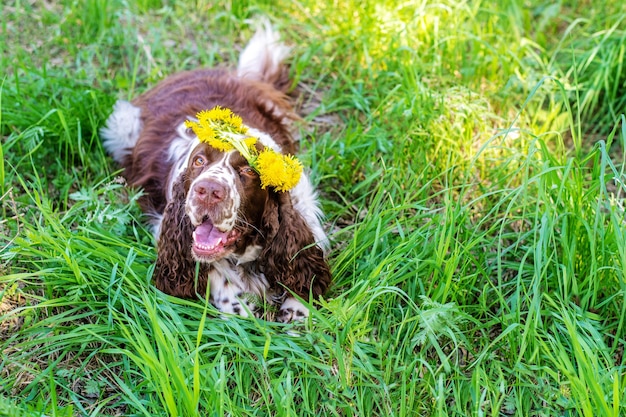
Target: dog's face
(225, 202)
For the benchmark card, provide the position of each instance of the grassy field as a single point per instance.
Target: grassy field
(470, 160)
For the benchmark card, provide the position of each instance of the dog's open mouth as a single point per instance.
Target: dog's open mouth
(209, 242)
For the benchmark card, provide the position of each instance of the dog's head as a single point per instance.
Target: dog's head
(224, 203)
(219, 212)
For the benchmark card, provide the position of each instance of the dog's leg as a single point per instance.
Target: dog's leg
(229, 295)
(291, 310)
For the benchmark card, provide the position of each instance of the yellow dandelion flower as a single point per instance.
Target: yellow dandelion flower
(293, 170)
(204, 132)
(220, 143)
(222, 119)
(250, 141)
(278, 171)
(204, 117)
(193, 126)
(270, 166)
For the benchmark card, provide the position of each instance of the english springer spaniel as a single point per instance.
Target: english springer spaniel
(217, 228)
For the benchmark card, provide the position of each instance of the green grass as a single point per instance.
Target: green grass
(470, 160)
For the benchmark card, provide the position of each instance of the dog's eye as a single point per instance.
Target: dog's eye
(246, 171)
(199, 161)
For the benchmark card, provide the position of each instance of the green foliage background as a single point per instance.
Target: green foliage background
(470, 160)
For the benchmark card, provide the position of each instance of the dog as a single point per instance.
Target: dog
(219, 230)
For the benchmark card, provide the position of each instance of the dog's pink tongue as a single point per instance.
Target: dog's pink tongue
(207, 235)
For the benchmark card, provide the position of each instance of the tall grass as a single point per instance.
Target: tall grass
(470, 160)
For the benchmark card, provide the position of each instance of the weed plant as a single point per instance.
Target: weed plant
(470, 161)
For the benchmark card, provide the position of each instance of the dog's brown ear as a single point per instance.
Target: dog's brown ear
(175, 270)
(291, 257)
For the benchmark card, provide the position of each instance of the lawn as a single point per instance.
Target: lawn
(470, 161)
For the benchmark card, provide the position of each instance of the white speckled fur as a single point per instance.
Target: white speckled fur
(222, 173)
(304, 200)
(232, 293)
(291, 310)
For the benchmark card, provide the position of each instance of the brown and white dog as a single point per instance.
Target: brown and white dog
(216, 227)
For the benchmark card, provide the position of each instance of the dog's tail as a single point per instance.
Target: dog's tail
(262, 59)
(121, 131)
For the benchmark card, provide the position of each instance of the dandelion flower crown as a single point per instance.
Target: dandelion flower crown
(224, 130)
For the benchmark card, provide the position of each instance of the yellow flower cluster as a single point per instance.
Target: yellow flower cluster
(224, 130)
(279, 171)
(219, 127)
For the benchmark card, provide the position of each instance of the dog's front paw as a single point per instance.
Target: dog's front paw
(291, 310)
(229, 298)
